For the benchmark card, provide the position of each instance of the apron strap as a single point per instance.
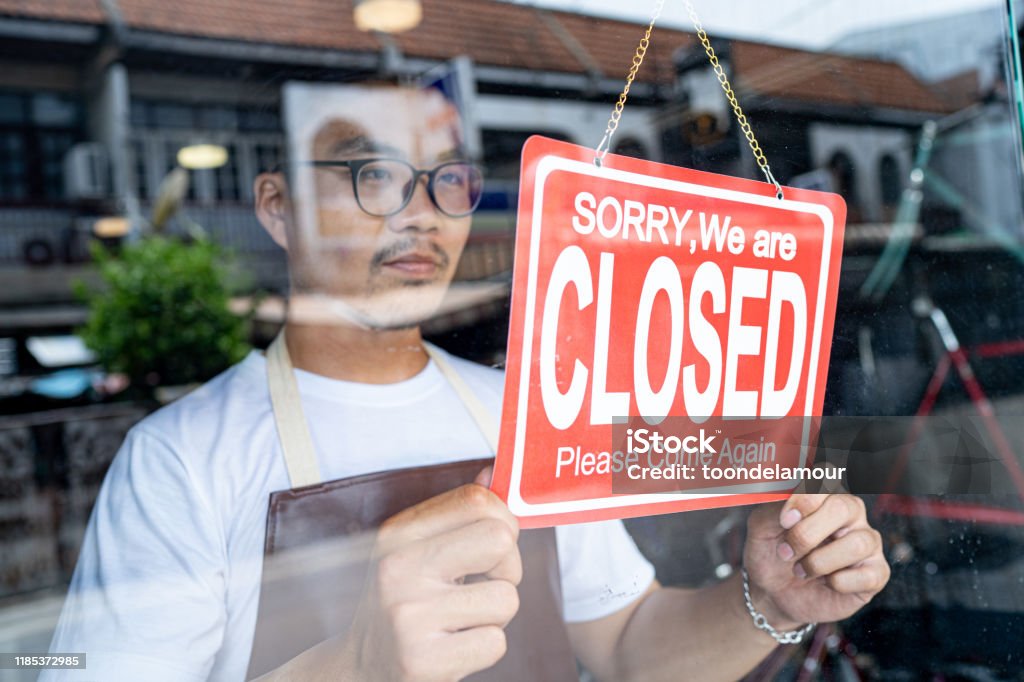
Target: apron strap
(473, 405)
(292, 430)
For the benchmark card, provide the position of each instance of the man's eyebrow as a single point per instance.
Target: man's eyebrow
(362, 145)
(453, 154)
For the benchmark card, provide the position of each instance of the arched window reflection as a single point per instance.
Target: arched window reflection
(890, 178)
(844, 179)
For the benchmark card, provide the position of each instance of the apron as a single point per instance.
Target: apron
(320, 537)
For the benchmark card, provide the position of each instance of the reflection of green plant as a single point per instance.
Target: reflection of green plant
(162, 316)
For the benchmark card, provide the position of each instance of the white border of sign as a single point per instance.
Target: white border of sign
(545, 167)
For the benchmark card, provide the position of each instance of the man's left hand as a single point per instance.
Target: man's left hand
(813, 559)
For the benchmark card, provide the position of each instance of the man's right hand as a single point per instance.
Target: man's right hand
(419, 618)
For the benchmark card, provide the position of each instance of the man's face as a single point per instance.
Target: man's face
(388, 272)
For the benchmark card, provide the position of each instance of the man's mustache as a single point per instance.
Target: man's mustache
(409, 245)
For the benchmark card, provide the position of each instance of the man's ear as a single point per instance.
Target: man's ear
(273, 209)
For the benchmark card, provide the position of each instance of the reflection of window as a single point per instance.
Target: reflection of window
(141, 167)
(171, 116)
(54, 111)
(844, 179)
(890, 178)
(259, 119)
(36, 132)
(53, 145)
(226, 179)
(155, 155)
(251, 136)
(844, 175)
(217, 118)
(13, 166)
(12, 109)
(159, 115)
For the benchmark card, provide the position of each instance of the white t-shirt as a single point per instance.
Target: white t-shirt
(167, 583)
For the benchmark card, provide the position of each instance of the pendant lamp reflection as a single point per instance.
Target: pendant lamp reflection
(111, 227)
(202, 156)
(388, 16)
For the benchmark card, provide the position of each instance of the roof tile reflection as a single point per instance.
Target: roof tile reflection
(515, 36)
(77, 11)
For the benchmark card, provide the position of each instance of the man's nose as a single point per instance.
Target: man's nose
(420, 213)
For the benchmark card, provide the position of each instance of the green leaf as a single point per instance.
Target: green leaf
(163, 309)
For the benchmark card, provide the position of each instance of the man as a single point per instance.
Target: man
(374, 222)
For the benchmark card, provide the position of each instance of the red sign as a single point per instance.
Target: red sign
(652, 308)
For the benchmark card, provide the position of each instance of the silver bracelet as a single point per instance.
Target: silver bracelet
(761, 622)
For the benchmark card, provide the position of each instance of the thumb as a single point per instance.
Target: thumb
(484, 477)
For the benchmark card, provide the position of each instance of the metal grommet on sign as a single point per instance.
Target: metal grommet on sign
(602, 149)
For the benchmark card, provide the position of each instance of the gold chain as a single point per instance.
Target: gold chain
(748, 132)
(638, 59)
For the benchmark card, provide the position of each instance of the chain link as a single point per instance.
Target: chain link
(638, 59)
(761, 622)
(741, 118)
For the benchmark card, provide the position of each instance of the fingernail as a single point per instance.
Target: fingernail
(790, 518)
(484, 477)
(784, 551)
(799, 571)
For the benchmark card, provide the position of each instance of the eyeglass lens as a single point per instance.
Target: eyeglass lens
(384, 186)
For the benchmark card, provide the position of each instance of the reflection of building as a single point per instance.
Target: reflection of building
(856, 118)
(96, 98)
(936, 49)
(962, 57)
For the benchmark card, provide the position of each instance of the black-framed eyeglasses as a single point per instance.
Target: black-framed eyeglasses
(383, 187)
